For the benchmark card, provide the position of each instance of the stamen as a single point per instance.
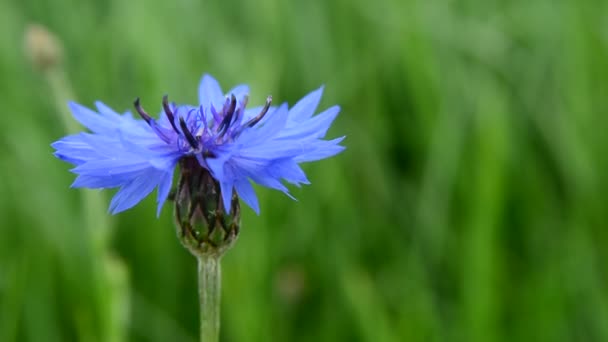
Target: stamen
(216, 116)
(169, 113)
(227, 117)
(191, 140)
(240, 111)
(142, 112)
(225, 107)
(244, 102)
(259, 117)
(203, 118)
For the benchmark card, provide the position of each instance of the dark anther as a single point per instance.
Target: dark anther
(227, 116)
(169, 113)
(187, 133)
(259, 117)
(141, 111)
(225, 105)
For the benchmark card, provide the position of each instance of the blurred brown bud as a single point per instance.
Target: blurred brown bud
(42, 48)
(291, 284)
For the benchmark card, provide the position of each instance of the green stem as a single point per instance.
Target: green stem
(209, 290)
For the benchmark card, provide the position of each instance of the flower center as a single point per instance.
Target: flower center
(210, 127)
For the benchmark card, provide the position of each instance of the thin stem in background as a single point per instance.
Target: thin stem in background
(111, 293)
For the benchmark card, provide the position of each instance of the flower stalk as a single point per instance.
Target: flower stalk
(209, 290)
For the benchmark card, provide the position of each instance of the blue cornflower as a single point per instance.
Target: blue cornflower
(234, 144)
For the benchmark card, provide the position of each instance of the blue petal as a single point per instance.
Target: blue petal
(163, 191)
(226, 189)
(73, 150)
(263, 173)
(210, 92)
(92, 120)
(97, 182)
(274, 149)
(216, 166)
(165, 162)
(306, 107)
(315, 127)
(239, 91)
(268, 181)
(275, 123)
(110, 167)
(108, 112)
(249, 166)
(272, 126)
(103, 145)
(288, 170)
(321, 149)
(133, 192)
(247, 194)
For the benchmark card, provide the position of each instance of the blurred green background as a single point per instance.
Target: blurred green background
(470, 204)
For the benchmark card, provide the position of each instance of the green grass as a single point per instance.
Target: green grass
(470, 204)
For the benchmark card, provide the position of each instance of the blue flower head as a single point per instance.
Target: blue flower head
(235, 144)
